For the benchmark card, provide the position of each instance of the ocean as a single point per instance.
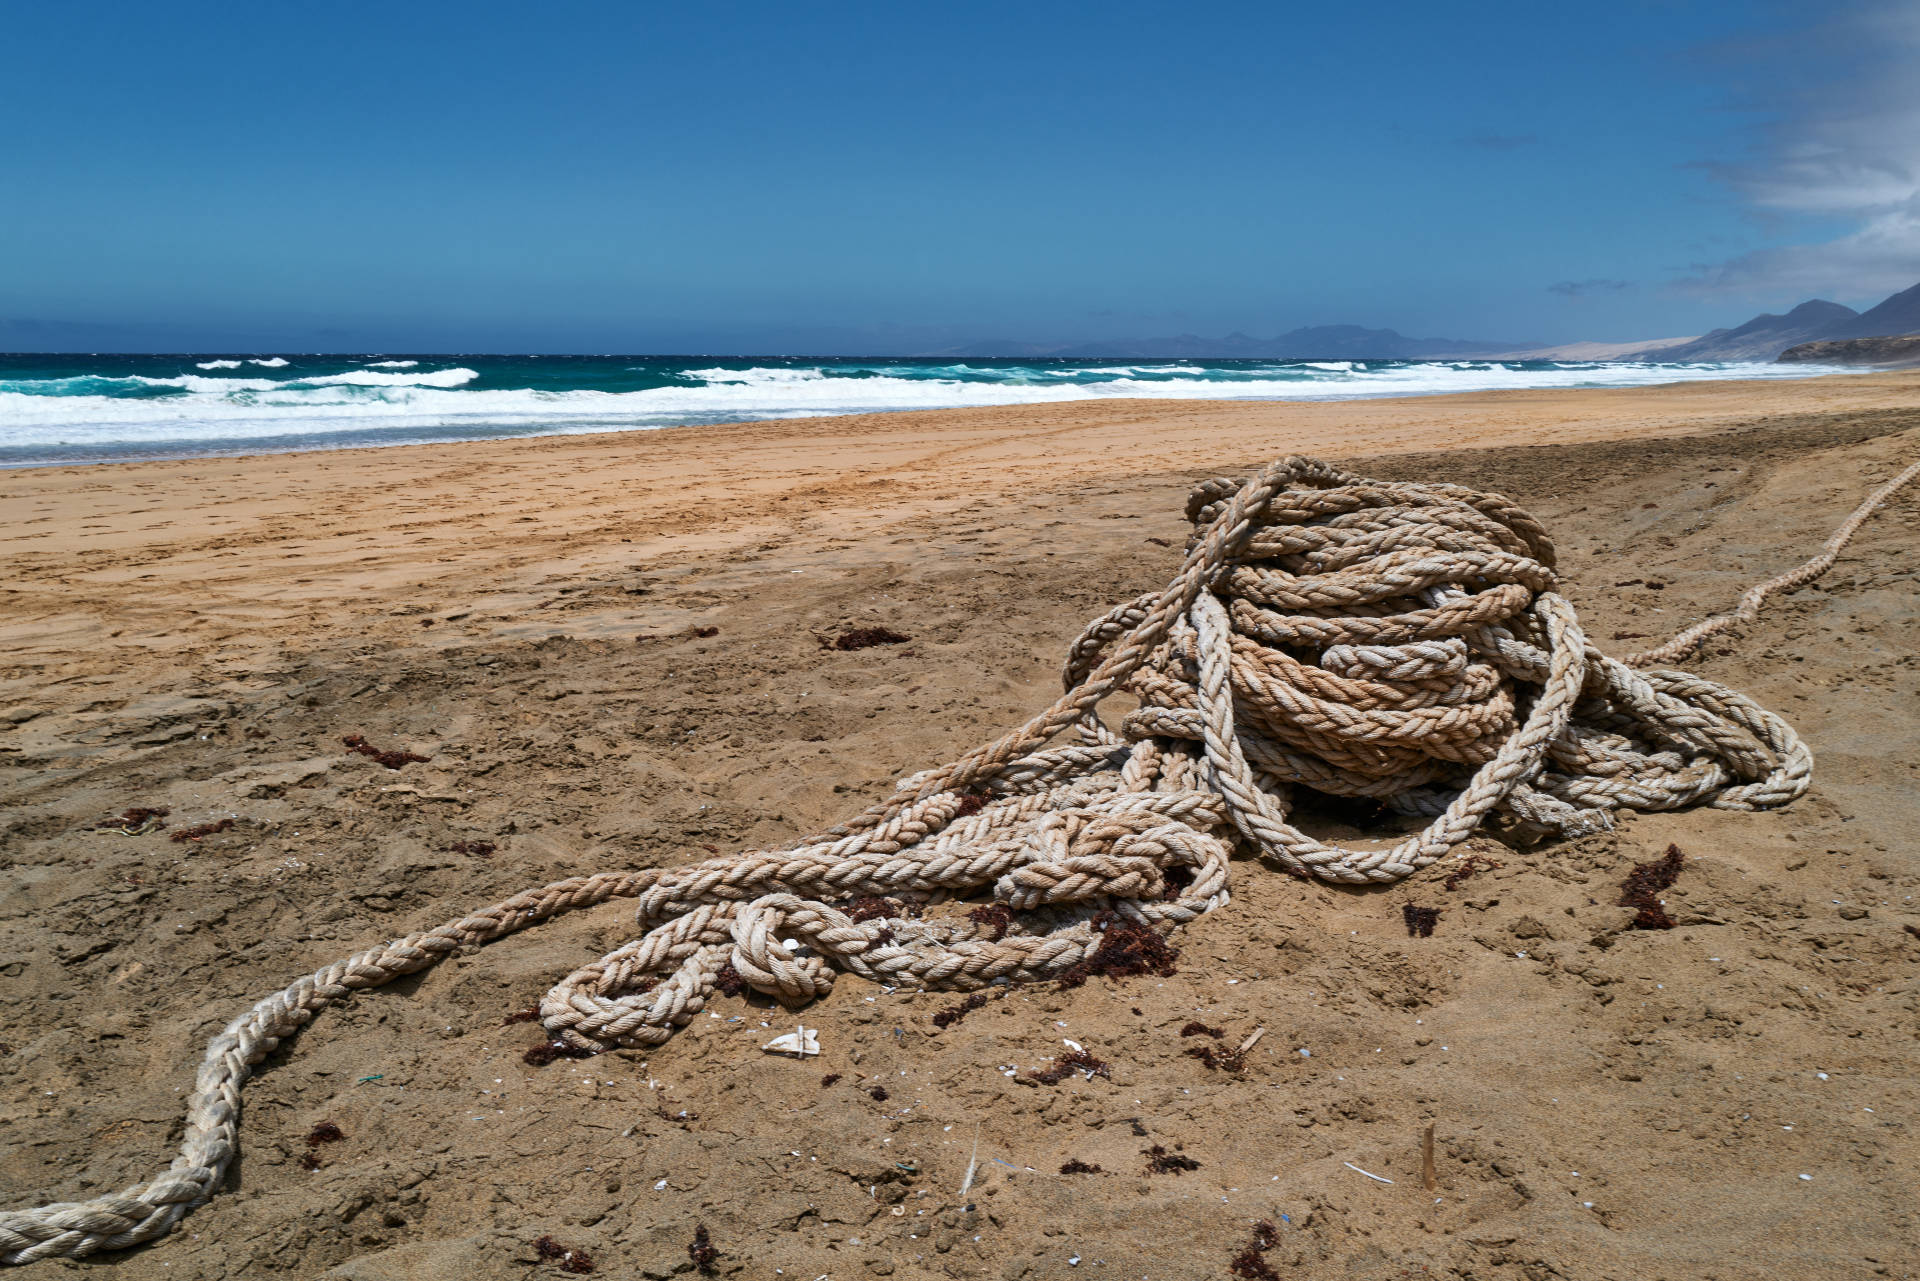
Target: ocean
(100, 408)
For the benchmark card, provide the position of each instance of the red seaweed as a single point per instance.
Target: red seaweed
(971, 803)
(1642, 889)
(1127, 948)
(578, 1262)
(391, 759)
(701, 1251)
(1069, 1063)
(1251, 1262)
(1470, 867)
(1161, 1161)
(547, 1051)
(1420, 920)
(997, 917)
(948, 1017)
(864, 638)
(201, 832)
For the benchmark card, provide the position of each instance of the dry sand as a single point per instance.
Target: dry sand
(1607, 1103)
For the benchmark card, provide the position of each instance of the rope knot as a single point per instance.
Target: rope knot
(772, 963)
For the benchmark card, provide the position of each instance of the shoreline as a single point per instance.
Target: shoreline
(299, 430)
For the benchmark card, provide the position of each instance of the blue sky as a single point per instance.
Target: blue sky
(868, 177)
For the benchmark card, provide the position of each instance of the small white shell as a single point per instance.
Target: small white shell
(799, 1043)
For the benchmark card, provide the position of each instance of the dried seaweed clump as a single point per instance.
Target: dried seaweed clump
(878, 1093)
(1420, 920)
(201, 832)
(141, 818)
(1469, 867)
(578, 1262)
(479, 849)
(1161, 1161)
(865, 638)
(1197, 1028)
(324, 1132)
(1127, 947)
(1069, 1063)
(829, 1079)
(728, 980)
(971, 803)
(1077, 1166)
(947, 1018)
(701, 1251)
(1644, 885)
(1251, 1263)
(997, 917)
(390, 759)
(547, 1051)
(1218, 1058)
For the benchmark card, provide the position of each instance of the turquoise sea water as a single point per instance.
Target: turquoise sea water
(61, 409)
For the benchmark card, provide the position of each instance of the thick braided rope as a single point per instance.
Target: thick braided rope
(1401, 642)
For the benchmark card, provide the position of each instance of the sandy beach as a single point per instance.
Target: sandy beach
(608, 650)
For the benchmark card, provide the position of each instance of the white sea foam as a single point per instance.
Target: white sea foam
(758, 377)
(218, 364)
(271, 362)
(366, 378)
(63, 390)
(189, 412)
(391, 364)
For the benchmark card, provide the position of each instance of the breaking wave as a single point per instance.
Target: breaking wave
(90, 408)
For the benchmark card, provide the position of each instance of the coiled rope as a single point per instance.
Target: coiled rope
(1402, 642)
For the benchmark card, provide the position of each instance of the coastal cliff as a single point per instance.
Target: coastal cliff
(1898, 350)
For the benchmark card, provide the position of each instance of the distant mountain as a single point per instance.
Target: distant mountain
(1320, 342)
(1764, 337)
(1899, 314)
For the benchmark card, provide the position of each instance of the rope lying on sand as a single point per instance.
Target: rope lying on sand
(1402, 642)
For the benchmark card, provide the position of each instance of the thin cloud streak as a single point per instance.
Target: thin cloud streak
(1581, 288)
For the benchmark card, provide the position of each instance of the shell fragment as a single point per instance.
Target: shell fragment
(800, 1043)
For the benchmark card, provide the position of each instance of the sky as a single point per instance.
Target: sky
(874, 178)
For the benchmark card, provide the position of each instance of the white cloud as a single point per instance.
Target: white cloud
(1844, 149)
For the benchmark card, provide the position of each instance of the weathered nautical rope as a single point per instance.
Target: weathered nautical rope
(1401, 642)
(1799, 576)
